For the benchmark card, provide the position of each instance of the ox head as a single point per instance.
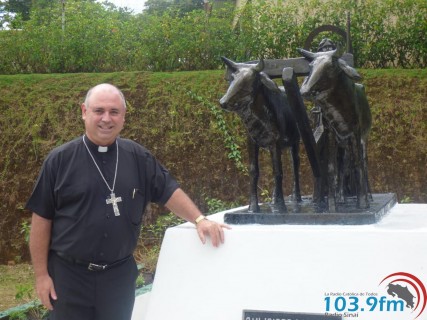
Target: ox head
(243, 79)
(325, 68)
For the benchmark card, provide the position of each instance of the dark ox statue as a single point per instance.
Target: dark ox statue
(347, 120)
(270, 123)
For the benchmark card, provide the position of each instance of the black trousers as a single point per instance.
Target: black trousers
(92, 295)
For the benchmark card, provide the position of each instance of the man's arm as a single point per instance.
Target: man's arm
(181, 205)
(39, 248)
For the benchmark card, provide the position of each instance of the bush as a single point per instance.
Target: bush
(100, 38)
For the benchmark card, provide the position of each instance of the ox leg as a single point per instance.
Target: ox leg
(253, 150)
(332, 171)
(350, 180)
(321, 184)
(295, 166)
(278, 200)
(342, 162)
(361, 192)
(365, 167)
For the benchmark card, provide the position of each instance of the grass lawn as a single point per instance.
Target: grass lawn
(16, 285)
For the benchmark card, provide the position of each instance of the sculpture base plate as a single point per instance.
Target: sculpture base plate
(305, 212)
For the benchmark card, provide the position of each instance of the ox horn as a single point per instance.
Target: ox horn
(307, 54)
(339, 51)
(260, 65)
(229, 63)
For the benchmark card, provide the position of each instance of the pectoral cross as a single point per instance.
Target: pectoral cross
(113, 200)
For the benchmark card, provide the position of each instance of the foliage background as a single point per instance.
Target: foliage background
(177, 117)
(102, 38)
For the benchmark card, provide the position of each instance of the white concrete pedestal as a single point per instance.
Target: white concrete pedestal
(293, 268)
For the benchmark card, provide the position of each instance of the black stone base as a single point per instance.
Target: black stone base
(307, 213)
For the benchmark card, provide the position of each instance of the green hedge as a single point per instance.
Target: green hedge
(385, 33)
(177, 117)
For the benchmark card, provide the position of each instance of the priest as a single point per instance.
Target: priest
(88, 203)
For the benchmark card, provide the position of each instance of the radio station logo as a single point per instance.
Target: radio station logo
(408, 288)
(401, 292)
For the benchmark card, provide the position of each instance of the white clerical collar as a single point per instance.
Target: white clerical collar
(94, 147)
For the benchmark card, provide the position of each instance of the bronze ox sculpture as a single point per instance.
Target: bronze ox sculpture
(346, 116)
(270, 123)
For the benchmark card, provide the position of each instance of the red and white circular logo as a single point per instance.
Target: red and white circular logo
(409, 288)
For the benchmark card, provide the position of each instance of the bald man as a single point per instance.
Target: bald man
(87, 206)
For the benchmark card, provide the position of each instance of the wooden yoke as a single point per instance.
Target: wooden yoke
(274, 67)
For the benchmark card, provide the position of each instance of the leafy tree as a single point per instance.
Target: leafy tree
(158, 7)
(98, 37)
(20, 7)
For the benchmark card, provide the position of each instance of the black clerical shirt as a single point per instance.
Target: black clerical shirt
(72, 193)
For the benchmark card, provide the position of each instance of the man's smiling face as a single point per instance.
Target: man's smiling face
(103, 114)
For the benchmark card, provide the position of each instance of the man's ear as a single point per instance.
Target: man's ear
(84, 110)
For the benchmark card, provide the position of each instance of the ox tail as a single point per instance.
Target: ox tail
(291, 85)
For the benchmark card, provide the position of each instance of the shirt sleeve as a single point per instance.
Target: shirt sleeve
(163, 184)
(41, 200)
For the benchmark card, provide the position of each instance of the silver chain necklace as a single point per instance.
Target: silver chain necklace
(113, 199)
